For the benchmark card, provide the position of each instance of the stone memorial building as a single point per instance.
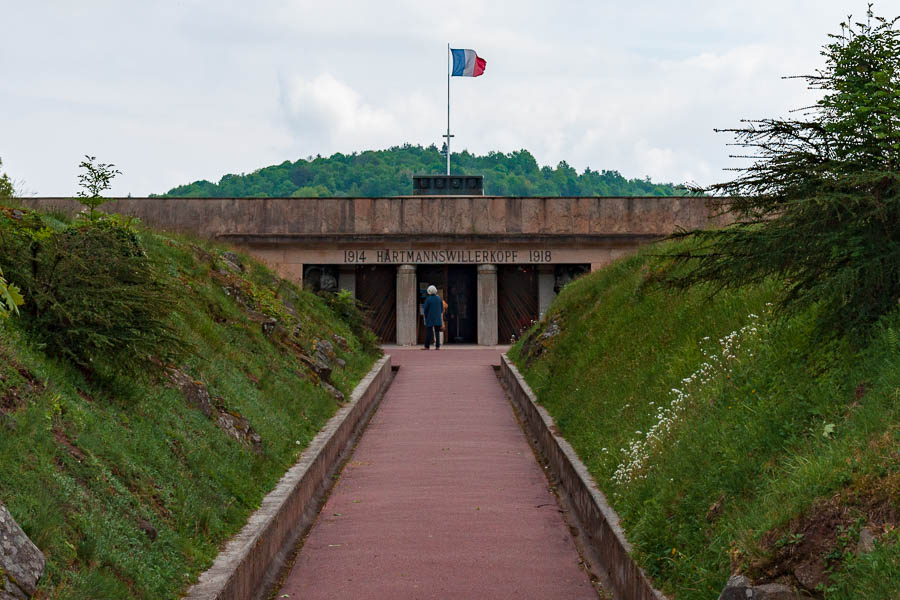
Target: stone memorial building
(497, 261)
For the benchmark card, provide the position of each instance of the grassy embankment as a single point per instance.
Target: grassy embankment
(127, 488)
(725, 439)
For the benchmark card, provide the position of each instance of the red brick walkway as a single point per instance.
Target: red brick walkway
(442, 498)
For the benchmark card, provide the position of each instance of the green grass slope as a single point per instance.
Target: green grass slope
(128, 488)
(725, 439)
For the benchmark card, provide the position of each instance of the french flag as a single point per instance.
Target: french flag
(466, 63)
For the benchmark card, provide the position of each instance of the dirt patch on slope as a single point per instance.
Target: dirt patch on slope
(17, 384)
(810, 547)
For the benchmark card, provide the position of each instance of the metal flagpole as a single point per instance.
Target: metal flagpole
(448, 136)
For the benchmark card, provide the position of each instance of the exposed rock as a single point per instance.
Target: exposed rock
(775, 591)
(740, 587)
(274, 330)
(554, 328)
(866, 541)
(237, 293)
(811, 574)
(539, 339)
(340, 362)
(270, 326)
(320, 368)
(10, 590)
(232, 262)
(232, 423)
(342, 342)
(736, 588)
(194, 392)
(338, 394)
(21, 563)
(239, 428)
(201, 254)
(325, 351)
(323, 361)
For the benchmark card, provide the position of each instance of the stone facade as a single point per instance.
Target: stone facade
(21, 563)
(263, 218)
(483, 233)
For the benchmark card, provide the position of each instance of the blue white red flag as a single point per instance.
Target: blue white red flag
(466, 63)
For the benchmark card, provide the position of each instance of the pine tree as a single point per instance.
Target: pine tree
(819, 207)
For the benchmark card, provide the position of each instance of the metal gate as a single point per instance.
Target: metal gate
(517, 300)
(376, 289)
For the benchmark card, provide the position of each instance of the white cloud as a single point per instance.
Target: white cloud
(175, 91)
(332, 113)
(326, 115)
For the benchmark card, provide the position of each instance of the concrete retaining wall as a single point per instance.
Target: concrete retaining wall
(252, 560)
(603, 540)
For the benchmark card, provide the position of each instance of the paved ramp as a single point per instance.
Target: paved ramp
(441, 499)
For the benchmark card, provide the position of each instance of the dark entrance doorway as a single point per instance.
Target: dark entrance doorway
(517, 300)
(462, 310)
(456, 285)
(376, 289)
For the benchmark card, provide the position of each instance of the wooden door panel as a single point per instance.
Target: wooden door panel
(517, 300)
(376, 289)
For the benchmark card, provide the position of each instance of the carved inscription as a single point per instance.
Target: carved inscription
(442, 256)
(354, 256)
(540, 256)
(446, 256)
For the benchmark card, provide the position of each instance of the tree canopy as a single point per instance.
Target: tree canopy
(95, 179)
(7, 188)
(819, 206)
(376, 173)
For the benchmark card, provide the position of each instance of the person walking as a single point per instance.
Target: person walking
(433, 312)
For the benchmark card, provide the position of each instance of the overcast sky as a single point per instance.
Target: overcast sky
(172, 92)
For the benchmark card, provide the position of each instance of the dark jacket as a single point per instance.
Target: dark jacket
(433, 309)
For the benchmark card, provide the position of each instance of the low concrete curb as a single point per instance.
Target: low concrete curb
(252, 559)
(603, 540)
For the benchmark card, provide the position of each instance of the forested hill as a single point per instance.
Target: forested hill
(377, 173)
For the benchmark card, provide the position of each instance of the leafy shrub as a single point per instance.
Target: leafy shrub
(348, 310)
(93, 295)
(21, 234)
(10, 298)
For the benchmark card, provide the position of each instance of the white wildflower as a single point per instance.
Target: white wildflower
(717, 364)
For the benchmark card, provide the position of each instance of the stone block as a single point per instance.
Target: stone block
(739, 587)
(866, 541)
(21, 563)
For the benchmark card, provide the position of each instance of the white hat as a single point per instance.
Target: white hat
(432, 290)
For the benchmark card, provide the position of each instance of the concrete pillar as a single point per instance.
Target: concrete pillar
(487, 305)
(347, 279)
(407, 315)
(546, 281)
